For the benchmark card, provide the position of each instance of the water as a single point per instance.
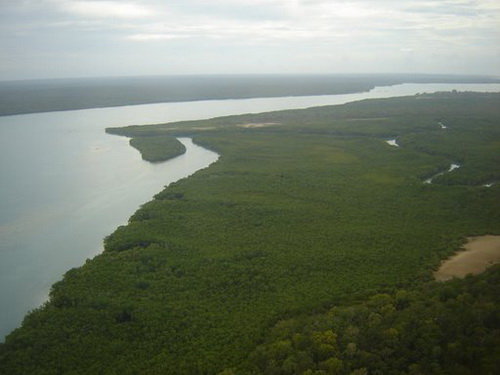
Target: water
(66, 184)
(392, 142)
(64, 207)
(450, 169)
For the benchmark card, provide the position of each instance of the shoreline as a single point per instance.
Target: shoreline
(87, 118)
(91, 93)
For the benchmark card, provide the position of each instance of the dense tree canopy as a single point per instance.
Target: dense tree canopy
(157, 149)
(449, 328)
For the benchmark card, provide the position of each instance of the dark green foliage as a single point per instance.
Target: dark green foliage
(157, 149)
(311, 211)
(450, 328)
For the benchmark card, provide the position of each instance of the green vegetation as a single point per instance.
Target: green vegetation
(450, 328)
(156, 149)
(305, 212)
(30, 96)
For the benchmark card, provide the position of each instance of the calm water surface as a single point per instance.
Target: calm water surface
(66, 184)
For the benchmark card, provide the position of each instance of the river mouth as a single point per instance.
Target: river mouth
(479, 253)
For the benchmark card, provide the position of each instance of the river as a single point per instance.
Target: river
(66, 184)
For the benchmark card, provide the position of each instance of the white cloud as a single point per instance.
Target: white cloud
(311, 35)
(155, 37)
(105, 9)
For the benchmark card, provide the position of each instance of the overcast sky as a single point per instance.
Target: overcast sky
(79, 38)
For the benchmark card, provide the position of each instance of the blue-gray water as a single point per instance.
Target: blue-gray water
(66, 184)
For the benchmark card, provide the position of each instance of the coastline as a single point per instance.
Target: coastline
(108, 202)
(17, 97)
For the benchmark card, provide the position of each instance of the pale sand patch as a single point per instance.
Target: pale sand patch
(478, 254)
(257, 125)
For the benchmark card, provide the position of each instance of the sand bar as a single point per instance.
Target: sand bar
(479, 253)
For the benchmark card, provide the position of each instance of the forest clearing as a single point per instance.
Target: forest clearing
(478, 254)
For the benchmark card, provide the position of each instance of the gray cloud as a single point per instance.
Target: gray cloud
(50, 38)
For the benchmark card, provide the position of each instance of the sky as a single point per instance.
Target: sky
(94, 38)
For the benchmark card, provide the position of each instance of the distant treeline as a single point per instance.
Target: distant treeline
(30, 96)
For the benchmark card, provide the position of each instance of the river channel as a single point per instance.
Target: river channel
(66, 184)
